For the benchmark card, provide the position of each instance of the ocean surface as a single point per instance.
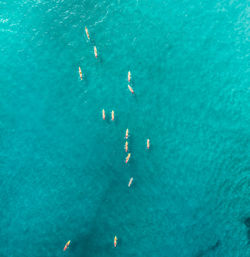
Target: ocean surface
(63, 175)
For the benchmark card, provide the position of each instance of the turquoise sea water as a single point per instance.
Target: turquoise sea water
(63, 175)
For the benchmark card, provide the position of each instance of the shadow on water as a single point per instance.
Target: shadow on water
(132, 84)
(91, 243)
(211, 248)
(136, 99)
(87, 245)
(85, 81)
(248, 236)
(99, 59)
(247, 224)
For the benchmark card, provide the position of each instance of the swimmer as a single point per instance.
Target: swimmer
(87, 32)
(129, 76)
(148, 143)
(95, 51)
(127, 158)
(130, 89)
(103, 114)
(130, 182)
(80, 73)
(126, 135)
(66, 246)
(112, 115)
(115, 241)
(126, 146)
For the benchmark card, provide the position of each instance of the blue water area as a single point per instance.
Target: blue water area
(63, 175)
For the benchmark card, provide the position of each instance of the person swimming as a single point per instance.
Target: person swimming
(129, 76)
(130, 89)
(126, 146)
(112, 115)
(126, 135)
(87, 32)
(130, 181)
(115, 241)
(66, 246)
(127, 158)
(95, 51)
(103, 114)
(148, 143)
(80, 72)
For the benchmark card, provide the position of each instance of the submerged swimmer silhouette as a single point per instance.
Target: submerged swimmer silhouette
(211, 248)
